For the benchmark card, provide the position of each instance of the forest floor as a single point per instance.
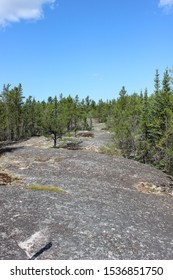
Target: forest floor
(89, 205)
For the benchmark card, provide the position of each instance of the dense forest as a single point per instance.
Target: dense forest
(141, 123)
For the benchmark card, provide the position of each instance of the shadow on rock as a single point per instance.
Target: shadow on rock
(4, 150)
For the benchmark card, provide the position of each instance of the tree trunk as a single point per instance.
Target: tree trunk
(55, 139)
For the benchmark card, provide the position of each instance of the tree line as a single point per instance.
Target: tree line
(141, 123)
(21, 119)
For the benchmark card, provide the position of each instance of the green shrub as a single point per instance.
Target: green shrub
(109, 150)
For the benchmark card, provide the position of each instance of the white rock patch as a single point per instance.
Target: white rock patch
(34, 242)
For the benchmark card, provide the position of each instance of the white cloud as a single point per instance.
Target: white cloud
(16, 10)
(166, 3)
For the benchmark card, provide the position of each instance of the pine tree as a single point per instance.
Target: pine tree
(121, 123)
(76, 114)
(157, 82)
(69, 111)
(12, 100)
(54, 119)
(160, 120)
(2, 121)
(30, 115)
(144, 143)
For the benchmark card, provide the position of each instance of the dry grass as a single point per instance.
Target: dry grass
(7, 179)
(146, 187)
(45, 188)
(109, 150)
(42, 159)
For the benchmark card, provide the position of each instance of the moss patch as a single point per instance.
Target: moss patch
(45, 188)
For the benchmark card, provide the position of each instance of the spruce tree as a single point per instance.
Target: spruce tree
(144, 143)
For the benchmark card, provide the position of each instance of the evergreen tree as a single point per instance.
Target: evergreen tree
(54, 119)
(142, 124)
(121, 123)
(144, 144)
(69, 111)
(76, 114)
(29, 117)
(12, 100)
(157, 82)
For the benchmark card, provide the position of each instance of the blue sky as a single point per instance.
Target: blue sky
(84, 47)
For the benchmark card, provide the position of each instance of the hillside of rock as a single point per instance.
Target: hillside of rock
(88, 205)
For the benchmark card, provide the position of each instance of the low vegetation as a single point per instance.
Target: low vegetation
(45, 188)
(7, 179)
(110, 150)
(141, 123)
(149, 188)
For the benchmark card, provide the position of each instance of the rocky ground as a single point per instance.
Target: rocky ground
(88, 205)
